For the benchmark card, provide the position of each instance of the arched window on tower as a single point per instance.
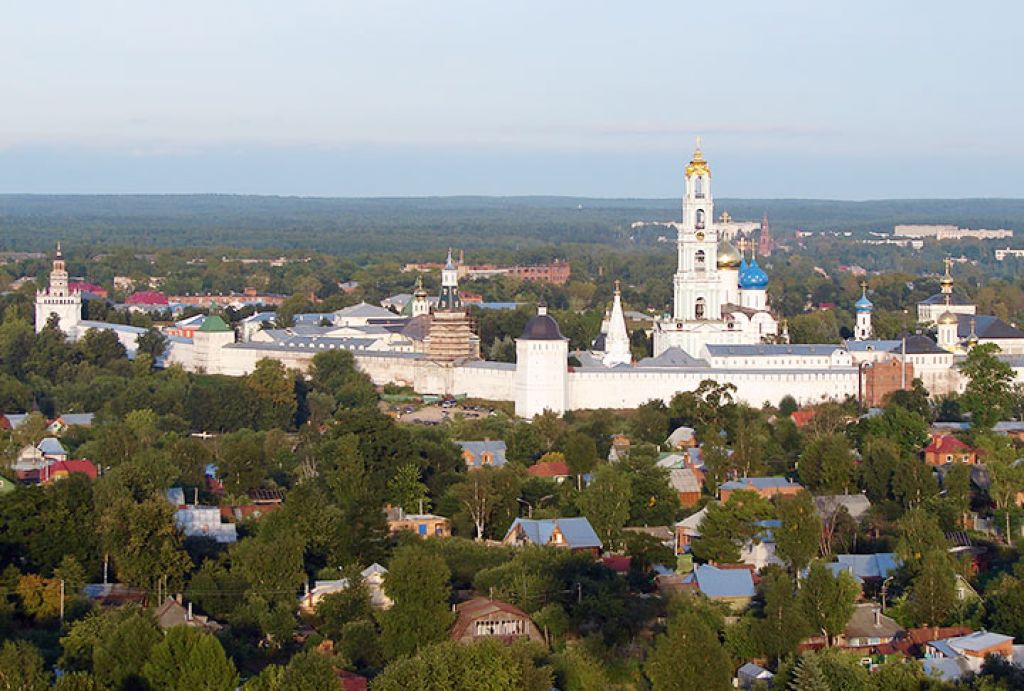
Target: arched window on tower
(698, 187)
(698, 308)
(700, 219)
(699, 260)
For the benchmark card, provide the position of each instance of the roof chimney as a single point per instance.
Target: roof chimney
(189, 617)
(878, 617)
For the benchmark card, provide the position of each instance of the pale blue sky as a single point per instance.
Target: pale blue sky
(794, 98)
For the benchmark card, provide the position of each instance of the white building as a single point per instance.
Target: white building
(718, 296)
(721, 329)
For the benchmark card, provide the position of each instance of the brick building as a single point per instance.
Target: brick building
(879, 379)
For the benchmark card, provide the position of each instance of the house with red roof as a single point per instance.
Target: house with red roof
(58, 470)
(945, 448)
(551, 470)
(800, 418)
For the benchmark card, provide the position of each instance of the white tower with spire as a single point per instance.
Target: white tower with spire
(58, 300)
(862, 330)
(616, 348)
(696, 286)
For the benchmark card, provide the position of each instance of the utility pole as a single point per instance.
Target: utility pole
(62, 599)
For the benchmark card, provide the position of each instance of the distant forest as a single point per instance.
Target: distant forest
(385, 225)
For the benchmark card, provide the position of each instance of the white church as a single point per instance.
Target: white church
(721, 328)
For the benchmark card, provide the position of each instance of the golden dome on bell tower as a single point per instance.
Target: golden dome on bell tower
(698, 166)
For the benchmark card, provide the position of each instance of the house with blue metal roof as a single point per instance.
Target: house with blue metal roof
(734, 586)
(478, 454)
(52, 448)
(573, 533)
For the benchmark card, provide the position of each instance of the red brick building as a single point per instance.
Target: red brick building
(945, 448)
(879, 379)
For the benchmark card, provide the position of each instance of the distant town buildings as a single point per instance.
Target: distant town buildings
(1008, 252)
(949, 232)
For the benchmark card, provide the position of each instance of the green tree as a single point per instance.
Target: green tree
(118, 658)
(1006, 475)
(308, 671)
(77, 681)
(880, 458)
(827, 601)
(798, 538)
(21, 667)
(689, 655)
(486, 664)
(933, 591)
(727, 527)
(809, 676)
(188, 659)
(407, 491)
(606, 503)
(919, 534)
(1004, 606)
(101, 347)
(274, 387)
(271, 564)
(652, 499)
(418, 583)
(988, 396)
(783, 625)
(144, 543)
(826, 465)
(650, 422)
(580, 453)
(152, 343)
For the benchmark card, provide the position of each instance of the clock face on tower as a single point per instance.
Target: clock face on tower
(700, 236)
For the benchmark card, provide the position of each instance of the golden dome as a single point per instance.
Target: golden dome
(698, 166)
(728, 256)
(947, 318)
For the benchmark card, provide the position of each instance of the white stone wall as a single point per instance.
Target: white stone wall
(630, 388)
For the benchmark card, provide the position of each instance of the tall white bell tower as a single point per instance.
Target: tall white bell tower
(696, 284)
(59, 300)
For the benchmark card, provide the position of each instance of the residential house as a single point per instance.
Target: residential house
(829, 505)
(767, 487)
(58, 470)
(478, 454)
(760, 552)
(172, 613)
(52, 449)
(664, 534)
(204, 521)
(423, 524)
(751, 676)
(945, 448)
(62, 423)
(866, 567)
(115, 594)
(6, 486)
(575, 534)
(682, 438)
(29, 464)
(483, 618)
(733, 585)
(372, 577)
(869, 631)
(619, 449)
(967, 652)
(688, 530)
(551, 470)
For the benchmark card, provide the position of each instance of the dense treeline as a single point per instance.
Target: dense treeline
(346, 226)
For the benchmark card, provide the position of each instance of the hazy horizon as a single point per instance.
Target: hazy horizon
(794, 100)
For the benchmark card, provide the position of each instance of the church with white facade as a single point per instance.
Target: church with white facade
(721, 328)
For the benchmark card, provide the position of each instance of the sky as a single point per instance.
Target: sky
(798, 99)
